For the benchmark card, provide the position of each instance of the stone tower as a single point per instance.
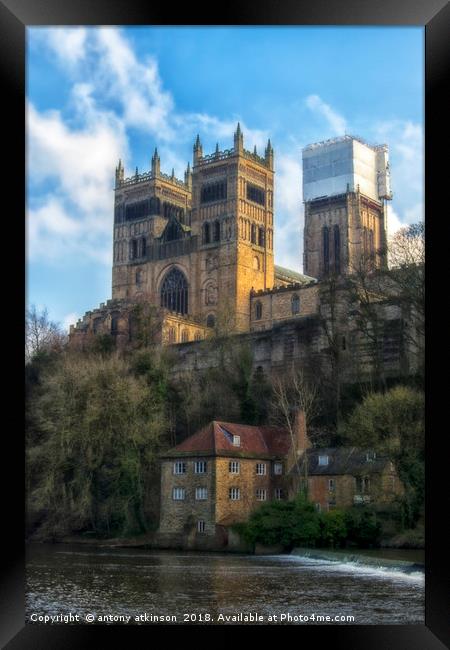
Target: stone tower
(232, 217)
(345, 188)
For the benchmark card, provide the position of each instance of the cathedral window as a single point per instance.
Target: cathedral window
(337, 249)
(114, 323)
(172, 335)
(174, 292)
(206, 233)
(256, 194)
(295, 304)
(184, 336)
(211, 321)
(213, 192)
(143, 246)
(261, 237)
(256, 263)
(197, 336)
(253, 234)
(258, 311)
(133, 249)
(326, 250)
(138, 278)
(216, 232)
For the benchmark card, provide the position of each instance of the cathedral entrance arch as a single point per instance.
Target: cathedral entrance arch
(174, 292)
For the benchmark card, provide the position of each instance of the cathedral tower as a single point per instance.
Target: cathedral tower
(232, 217)
(345, 189)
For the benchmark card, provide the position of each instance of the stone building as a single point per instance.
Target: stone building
(218, 476)
(200, 251)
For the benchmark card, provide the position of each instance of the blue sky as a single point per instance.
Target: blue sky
(97, 94)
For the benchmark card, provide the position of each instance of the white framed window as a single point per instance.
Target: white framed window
(323, 460)
(178, 494)
(200, 526)
(235, 494)
(234, 467)
(261, 494)
(237, 441)
(278, 494)
(261, 469)
(318, 507)
(201, 493)
(278, 468)
(179, 467)
(331, 484)
(200, 467)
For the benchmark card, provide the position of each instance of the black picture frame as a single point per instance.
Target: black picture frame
(434, 15)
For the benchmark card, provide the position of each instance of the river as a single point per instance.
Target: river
(75, 583)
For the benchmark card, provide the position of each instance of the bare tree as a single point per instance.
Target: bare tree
(41, 334)
(291, 394)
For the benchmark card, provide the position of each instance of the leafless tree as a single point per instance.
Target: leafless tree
(41, 334)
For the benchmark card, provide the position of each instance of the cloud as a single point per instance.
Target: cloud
(68, 320)
(289, 212)
(68, 43)
(336, 122)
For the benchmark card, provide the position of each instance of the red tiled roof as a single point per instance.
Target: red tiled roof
(216, 439)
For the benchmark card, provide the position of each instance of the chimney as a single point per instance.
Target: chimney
(302, 440)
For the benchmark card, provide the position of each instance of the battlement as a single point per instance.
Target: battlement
(150, 176)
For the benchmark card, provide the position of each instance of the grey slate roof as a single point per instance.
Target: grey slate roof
(343, 460)
(283, 273)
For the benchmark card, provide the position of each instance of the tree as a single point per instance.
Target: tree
(41, 334)
(393, 424)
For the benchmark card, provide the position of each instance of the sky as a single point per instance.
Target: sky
(97, 94)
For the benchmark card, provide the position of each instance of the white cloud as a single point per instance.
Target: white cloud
(336, 122)
(68, 320)
(68, 43)
(289, 212)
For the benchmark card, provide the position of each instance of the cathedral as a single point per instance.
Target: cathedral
(200, 251)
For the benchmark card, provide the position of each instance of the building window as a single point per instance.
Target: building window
(344, 343)
(337, 249)
(295, 304)
(178, 494)
(179, 467)
(326, 250)
(197, 336)
(331, 485)
(235, 494)
(256, 194)
(138, 278)
(261, 469)
(143, 246)
(216, 232)
(206, 233)
(323, 460)
(278, 468)
(253, 234)
(261, 237)
(174, 292)
(201, 494)
(184, 336)
(258, 311)
(134, 249)
(172, 335)
(371, 456)
(114, 323)
(233, 467)
(237, 441)
(200, 467)
(255, 264)
(210, 321)
(318, 507)
(278, 494)
(213, 192)
(200, 526)
(261, 494)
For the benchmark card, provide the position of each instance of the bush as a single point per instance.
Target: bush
(334, 530)
(363, 529)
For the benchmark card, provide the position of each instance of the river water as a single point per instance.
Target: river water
(131, 586)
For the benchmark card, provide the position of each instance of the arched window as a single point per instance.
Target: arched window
(258, 311)
(206, 233)
(337, 249)
(174, 292)
(138, 278)
(216, 234)
(261, 237)
(114, 323)
(211, 321)
(133, 249)
(143, 246)
(253, 234)
(295, 304)
(172, 335)
(326, 250)
(184, 336)
(256, 263)
(197, 336)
